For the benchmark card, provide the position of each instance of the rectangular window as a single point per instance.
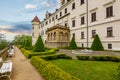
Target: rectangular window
(60, 14)
(74, 35)
(33, 27)
(93, 33)
(82, 45)
(93, 17)
(82, 35)
(66, 24)
(49, 20)
(46, 22)
(52, 18)
(82, 20)
(109, 46)
(68, 0)
(82, 2)
(109, 32)
(33, 34)
(73, 23)
(65, 10)
(109, 11)
(56, 16)
(73, 6)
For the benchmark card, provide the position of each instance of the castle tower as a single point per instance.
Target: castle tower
(35, 29)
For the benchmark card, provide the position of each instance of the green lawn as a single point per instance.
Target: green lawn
(88, 70)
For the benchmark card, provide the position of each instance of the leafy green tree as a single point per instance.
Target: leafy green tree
(28, 43)
(3, 44)
(72, 44)
(39, 46)
(97, 45)
(22, 40)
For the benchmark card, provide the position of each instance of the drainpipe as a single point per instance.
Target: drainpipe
(87, 22)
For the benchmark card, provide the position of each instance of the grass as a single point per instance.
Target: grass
(88, 70)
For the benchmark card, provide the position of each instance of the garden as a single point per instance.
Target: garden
(54, 66)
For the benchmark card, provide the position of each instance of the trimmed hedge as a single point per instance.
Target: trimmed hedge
(55, 56)
(56, 49)
(105, 58)
(83, 57)
(25, 52)
(99, 58)
(50, 71)
(29, 54)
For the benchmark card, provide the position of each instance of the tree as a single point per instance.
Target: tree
(20, 40)
(73, 44)
(97, 45)
(39, 46)
(3, 44)
(28, 43)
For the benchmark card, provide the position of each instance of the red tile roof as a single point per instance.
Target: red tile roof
(36, 19)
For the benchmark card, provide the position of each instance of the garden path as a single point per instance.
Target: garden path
(22, 68)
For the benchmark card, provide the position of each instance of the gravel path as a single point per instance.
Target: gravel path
(22, 68)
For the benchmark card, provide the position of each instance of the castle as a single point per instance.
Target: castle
(82, 20)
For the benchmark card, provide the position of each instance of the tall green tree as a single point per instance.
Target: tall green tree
(72, 44)
(39, 46)
(28, 43)
(3, 44)
(97, 45)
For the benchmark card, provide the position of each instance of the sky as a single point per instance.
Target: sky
(16, 15)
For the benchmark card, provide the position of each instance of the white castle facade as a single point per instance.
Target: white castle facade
(85, 19)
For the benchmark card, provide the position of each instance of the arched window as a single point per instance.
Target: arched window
(61, 36)
(51, 36)
(54, 35)
(48, 37)
(66, 36)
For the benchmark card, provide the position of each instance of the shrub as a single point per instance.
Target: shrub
(56, 49)
(97, 45)
(99, 58)
(55, 56)
(25, 52)
(118, 73)
(50, 71)
(83, 57)
(30, 54)
(52, 51)
(105, 58)
(39, 46)
(73, 44)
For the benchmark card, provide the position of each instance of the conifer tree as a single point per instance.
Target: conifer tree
(118, 73)
(39, 46)
(73, 44)
(97, 45)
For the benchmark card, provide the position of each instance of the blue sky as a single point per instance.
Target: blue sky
(16, 15)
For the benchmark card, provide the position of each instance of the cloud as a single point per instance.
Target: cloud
(40, 6)
(30, 6)
(45, 3)
(23, 27)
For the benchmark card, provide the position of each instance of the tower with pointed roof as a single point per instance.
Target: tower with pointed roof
(35, 29)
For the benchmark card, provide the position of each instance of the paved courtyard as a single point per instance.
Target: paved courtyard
(95, 53)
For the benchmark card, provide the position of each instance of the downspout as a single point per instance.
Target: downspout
(87, 22)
